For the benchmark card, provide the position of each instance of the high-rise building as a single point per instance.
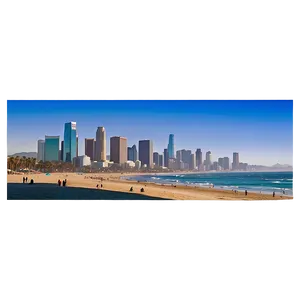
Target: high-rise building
(171, 146)
(215, 166)
(41, 150)
(179, 159)
(192, 164)
(226, 163)
(89, 148)
(146, 153)
(100, 151)
(70, 142)
(172, 164)
(132, 153)
(166, 158)
(198, 158)
(208, 160)
(129, 154)
(51, 148)
(77, 145)
(118, 149)
(221, 162)
(235, 161)
(179, 155)
(61, 151)
(161, 160)
(156, 158)
(135, 153)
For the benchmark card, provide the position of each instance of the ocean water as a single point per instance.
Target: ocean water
(265, 182)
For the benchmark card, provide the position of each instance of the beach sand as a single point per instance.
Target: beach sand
(81, 186)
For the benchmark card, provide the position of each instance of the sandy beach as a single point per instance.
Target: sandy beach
(83, 186)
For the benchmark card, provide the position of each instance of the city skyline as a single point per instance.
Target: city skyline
(261, 131)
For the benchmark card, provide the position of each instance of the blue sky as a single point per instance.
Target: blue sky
(261, 131)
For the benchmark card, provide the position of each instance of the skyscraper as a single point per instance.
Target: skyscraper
(161, 160)
(146, 153)
(221, 162)
(186, 156)
(118, 149)
(77, 145)
(70, 142)
(179, 161)
(226, 163)
(171, 146)
(135, 153)
(61, 151)
(41, 150)
(192, 164)
(198, 158)
(89, 148)
(51, 148)
(156, 158)
(208, 160)
(129, 153)
(132, 153)
(235, 161)
(100, 152)
(166, 158)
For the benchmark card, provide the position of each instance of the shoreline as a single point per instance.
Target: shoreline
(197, 185)
(112, 182)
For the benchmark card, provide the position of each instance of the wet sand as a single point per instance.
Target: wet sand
(81, 186)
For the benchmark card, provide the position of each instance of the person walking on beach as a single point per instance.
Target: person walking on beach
(273, 194)
(246, 192)
(23, 179)
(64, 183)
(59, 182)
(97, 186)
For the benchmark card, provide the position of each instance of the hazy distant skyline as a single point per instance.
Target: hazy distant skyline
(261, 131)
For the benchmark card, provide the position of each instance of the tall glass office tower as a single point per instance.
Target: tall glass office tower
(171, 146)
(51, 148)
(70, 142)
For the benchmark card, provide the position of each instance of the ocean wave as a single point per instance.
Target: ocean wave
(155, 178)
(276, 181)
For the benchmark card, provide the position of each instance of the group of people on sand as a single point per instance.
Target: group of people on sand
(246, 192)
(64, 182)
(142, 189)
(25, 180)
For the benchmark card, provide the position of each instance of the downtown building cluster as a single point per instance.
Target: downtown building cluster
(141, 157)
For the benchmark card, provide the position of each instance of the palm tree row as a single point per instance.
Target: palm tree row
(20, 163)
(17, 163)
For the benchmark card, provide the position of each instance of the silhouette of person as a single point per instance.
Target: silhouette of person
(59, 182)
(246, 192)
(23, 179)
(131, 189)
(273, 194)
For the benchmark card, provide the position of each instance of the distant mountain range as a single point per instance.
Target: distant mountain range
(279, 166)
(284, 167)
(26, 154)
